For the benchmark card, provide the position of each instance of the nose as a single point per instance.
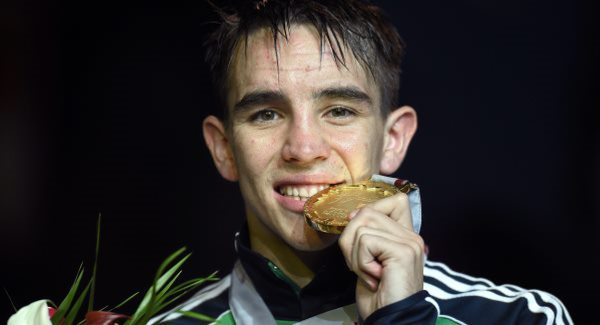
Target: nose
(305, 143)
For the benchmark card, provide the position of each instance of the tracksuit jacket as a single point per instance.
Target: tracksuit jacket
(257, 292)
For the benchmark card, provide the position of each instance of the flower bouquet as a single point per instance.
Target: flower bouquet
(163, 292)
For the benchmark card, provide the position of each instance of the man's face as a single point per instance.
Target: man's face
(299, 127)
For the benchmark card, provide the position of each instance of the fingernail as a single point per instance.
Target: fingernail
(372, 284)
(352, 214)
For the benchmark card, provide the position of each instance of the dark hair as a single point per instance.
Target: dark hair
(357, 25)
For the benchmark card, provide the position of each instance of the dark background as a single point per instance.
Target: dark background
(101, 111)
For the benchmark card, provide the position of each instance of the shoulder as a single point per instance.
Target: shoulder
(477, 300)
(211, 301)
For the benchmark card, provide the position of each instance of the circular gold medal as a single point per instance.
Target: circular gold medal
(327, 211)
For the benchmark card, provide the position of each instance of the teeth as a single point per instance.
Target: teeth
(312, 190)
(302, 192)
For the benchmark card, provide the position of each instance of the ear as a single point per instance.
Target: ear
(400, 126)
(216, 140)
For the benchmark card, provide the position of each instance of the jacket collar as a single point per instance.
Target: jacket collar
(333, 285)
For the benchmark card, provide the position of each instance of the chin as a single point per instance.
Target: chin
(310, 240)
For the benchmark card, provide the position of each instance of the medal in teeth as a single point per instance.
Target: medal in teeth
(327, 210)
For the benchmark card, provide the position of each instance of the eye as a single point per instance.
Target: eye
(265, 115)
(340, 112)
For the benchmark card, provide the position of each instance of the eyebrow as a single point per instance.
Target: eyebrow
(346, 93)
(262, 97)
(259, 97)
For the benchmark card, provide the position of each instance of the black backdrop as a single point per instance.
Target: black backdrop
(101, 110)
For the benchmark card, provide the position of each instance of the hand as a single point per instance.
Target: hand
(380, 246)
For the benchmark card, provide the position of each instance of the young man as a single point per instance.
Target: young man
(309, 91)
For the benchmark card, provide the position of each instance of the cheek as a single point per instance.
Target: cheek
(356, 144)
(360, 151)
(254, 153)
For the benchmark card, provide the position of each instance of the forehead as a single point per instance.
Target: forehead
(298, 63)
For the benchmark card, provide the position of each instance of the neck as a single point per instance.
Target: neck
(299, 266)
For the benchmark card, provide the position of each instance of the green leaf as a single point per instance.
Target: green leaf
(75, 309)
(66, 303)
(10, 299)
(93, 287)
(156, 297)
(147, 305)
(168, 274)
(124, 301)
(194, 283)
(164, 290)
(164, 293)
(195, 315)
(183, 288)
(168, 285)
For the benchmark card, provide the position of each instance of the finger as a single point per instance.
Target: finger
(376, 252)
(373, 218)
(368, 256)
(397, 207)
(368, 218)
(369, 271)
(365, 217)
(412, 241)
(373, 247)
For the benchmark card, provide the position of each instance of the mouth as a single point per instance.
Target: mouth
(301, 192)
(293, 196)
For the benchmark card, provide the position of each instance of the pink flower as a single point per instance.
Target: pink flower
(51, 311)
(102, 318)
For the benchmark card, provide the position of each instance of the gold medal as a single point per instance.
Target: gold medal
(327, 211)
